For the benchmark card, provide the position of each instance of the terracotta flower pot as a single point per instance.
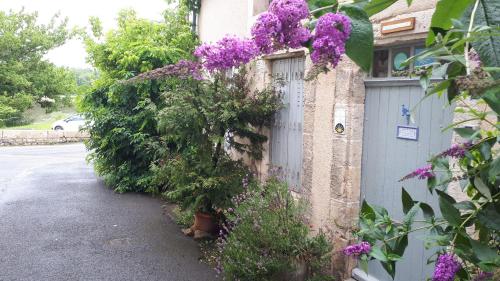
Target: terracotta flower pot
(204, 222)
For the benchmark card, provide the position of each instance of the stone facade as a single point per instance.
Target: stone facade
(331, 173)
(38, 137)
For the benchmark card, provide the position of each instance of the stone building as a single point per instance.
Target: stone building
(348, 135)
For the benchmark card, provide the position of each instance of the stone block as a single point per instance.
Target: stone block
(339, 152)
(353, 187)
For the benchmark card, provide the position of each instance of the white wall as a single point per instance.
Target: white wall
(222, 17)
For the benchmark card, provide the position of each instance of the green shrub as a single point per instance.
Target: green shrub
(184, 218)
(12, 108)
(203, 121)
(268, 238)
(124, 139)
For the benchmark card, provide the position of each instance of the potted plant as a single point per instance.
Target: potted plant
(205, 189)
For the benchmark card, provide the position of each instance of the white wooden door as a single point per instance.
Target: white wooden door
(286, 132)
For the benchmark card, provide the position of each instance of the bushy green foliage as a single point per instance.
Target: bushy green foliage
(124, 135)
(184, 218)
(12, 108)
(269, 239)
(205, 120)
(25, 76)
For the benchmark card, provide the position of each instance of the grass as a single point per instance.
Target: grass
(40, 120)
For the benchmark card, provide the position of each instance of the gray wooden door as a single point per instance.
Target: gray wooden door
(386, 159)
(286, 131)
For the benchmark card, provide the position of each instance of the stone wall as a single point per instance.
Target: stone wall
(37, 137)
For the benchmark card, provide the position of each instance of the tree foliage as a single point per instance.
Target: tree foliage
(25, 76)
(124, 134)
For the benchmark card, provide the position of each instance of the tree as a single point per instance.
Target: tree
(25, 76)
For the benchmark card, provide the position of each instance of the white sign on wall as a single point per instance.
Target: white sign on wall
(339, 119)
(407, 133)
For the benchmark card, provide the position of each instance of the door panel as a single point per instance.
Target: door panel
(386, 159)
(286, 132)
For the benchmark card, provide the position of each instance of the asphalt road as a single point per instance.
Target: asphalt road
(59, 222)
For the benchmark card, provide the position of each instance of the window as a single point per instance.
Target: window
(380, 63)
(389, 62)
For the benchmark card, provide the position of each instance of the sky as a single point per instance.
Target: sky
(72, 54)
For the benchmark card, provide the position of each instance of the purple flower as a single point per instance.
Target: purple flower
(183, 69)
(422, 173)
(483, 276)
(297, 36)
(332, 32)
(446, 268)
(280, 27)
(357, 249)
(227, 53)
(266, 32)
(289, 12)
(457, 150)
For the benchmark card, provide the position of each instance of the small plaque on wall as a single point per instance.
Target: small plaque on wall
(397, 25)
(407, 133)
(339, 119)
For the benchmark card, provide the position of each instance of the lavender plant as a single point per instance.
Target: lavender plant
(267, 237)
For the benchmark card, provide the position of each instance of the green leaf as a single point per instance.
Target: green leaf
(465, 205)
(465, 132)
(449, 212)
(494, 168)
(462, 245)
(483, 252)
(488, 48)
(427, 210)
(410, 216)
(424, 82)
(377, 253)
(359, 46)
(492, 98)
(363, 264)
(394, 257)
(390, 267)
(375, 6)
(401, 245)
(316, 4)
(445, 11)
(438, 87)
(485, 149)
(489, 216)
(367, 211)
(482, 188)
(407, 201)
(452, 92)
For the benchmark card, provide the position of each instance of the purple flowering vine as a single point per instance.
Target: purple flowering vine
(183, 69)
(266, 33)
(456, 150)
(227, 53)
(357, 249)
(281, 26)
(422, 173)
(446, 268)
(332, 32)
(289, 12)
